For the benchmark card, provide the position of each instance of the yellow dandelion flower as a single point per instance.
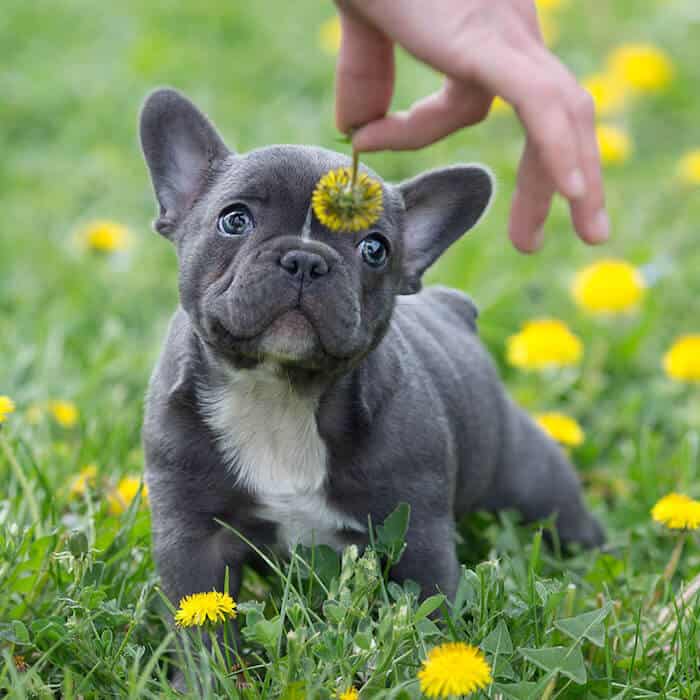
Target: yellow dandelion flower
(609, 93)
(20, 663)
(689, 168)
(682, 361)
(349, 694)
(542, 344)
(561, 428)
(341, 207)
(65, 413)
(454, 668)
(329, 35)
(614, 143)
(608, 287)
(7, 406)
(85, 478)
(643, 67)
(205, 609)
(677, 512)
(105, 236)
(121, 497)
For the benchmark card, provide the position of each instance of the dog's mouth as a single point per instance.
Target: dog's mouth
(290, 337)
(292, 333)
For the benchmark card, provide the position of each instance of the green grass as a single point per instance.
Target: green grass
(78, 592)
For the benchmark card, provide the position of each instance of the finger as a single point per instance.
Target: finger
(364, 74)
(427, 121)
(588, 212)
(533, 89)
(531, 201)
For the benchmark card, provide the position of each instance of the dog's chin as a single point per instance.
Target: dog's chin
(291, 339)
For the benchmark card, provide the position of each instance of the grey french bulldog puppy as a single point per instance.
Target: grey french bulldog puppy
(307, 383)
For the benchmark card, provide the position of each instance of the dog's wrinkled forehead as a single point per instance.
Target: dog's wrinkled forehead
(284, 177)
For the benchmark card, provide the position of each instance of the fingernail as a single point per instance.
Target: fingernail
(576, 185)
(600, 230)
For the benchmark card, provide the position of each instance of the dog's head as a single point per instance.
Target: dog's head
(260, 277)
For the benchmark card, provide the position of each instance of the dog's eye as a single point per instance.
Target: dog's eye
(374, 250)
(236, 220)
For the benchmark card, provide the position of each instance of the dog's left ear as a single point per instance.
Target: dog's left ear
(441, 205)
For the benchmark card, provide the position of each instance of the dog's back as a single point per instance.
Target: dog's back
(505, 460)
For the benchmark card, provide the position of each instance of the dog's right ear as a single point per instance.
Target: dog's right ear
(181, 148)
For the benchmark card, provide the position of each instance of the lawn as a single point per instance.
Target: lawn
(80, 611)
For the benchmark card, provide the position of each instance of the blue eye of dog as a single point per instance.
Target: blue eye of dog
(236, 220)
(374, 250)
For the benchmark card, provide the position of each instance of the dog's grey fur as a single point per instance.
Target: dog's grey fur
(293, 405)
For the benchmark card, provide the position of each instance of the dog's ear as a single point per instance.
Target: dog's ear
(181, 148)
(441, 205)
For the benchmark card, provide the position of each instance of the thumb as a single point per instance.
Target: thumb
(364, 73)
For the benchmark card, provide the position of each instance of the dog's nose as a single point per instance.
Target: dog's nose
(303, 263)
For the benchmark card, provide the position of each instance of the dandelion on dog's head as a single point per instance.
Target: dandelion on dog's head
(104, 236)
(543, 344)
(608, 287)
(341, 206)
(682, 361)
(7, 406)
(677, 512)
(121, 497)
(561, 428)
(454, 668)
(65, 413)
(205, 609)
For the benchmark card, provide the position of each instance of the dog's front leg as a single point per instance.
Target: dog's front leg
(430, 558)
(193, 558)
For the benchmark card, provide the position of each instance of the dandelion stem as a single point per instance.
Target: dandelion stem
(355, 164)
(24, 483)
(675, 558)
(670, 567)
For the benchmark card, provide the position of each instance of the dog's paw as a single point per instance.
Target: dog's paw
(584, 531)
(179, 683)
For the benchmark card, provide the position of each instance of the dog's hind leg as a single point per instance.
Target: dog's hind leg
(534, 477)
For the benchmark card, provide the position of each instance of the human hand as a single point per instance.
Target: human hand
(484, 48)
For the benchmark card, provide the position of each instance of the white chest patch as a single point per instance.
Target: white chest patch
(268, 436)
